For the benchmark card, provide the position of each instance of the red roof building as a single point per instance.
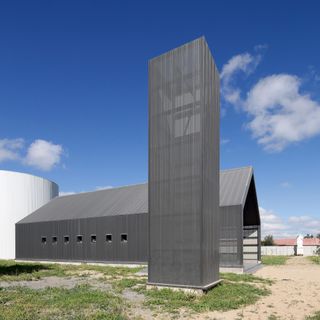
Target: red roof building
(292, 242)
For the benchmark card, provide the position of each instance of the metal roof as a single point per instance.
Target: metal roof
(234, 185)
(109, 202)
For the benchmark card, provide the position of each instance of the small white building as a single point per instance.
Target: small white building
(299, 245)
(20, 194)
(289, 247)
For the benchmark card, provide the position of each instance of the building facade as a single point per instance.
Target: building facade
(101, 226)
(240, 238)
(111, 226)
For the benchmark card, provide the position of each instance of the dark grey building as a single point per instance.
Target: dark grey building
(184, 117)
(240, 237)
(101, 226)
(112, 225)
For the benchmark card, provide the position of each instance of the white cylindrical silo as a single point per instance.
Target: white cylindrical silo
(20, 195)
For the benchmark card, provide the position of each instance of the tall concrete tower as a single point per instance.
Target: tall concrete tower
(184, 116)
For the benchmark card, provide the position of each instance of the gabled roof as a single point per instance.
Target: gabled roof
(234, 185)
(109, 202)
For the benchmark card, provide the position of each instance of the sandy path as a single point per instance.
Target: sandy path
(295, 293)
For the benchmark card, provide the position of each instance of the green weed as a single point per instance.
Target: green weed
(56, 303)
(274, 260)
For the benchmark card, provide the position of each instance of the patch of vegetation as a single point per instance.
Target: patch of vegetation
(125, 283)
(17, 271)
(56, 303)
(316, 316)
(274, 260)
(167, 299)
(226, 296)
(106, 270)
(315, 259)
(244, 278)
(230, 296)
(84, 302)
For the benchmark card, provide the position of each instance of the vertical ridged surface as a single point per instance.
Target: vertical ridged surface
(184, 167)
(29, 245)
(231, 242)
(20, 194)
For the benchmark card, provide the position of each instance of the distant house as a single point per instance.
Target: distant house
(309, 244)
(289, 247)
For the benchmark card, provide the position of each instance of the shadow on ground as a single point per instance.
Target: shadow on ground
(18, 269)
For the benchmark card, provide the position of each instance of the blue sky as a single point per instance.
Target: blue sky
(73, 93)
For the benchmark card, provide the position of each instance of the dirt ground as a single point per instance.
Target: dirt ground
(295, 294)
(57, 282)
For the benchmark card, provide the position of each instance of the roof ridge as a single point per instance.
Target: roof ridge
(236, 169)
(106, 189)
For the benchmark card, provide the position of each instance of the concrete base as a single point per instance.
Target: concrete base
(247, 268)
(183, 288)
(77, 263)
(232, 270)
(253, 268)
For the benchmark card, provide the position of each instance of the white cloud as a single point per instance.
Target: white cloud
(298, 219)
(280, 113)
(103, 187)
(313, 74)
(10, 148)
(66, 193)
(242, 62)
(224, 141)
(43, 155)
(245, 63)
(285, 184)
(306, 222)
(261, 47)
(272, 223)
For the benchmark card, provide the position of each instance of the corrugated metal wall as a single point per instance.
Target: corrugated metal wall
(184, 167)
(29, 236)
(231, 251)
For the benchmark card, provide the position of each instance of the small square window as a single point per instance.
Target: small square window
(66, 239)
(43, 240)
(54, 240)
(124, 237)
(79, 239)
(93, 238)
(109, 238)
